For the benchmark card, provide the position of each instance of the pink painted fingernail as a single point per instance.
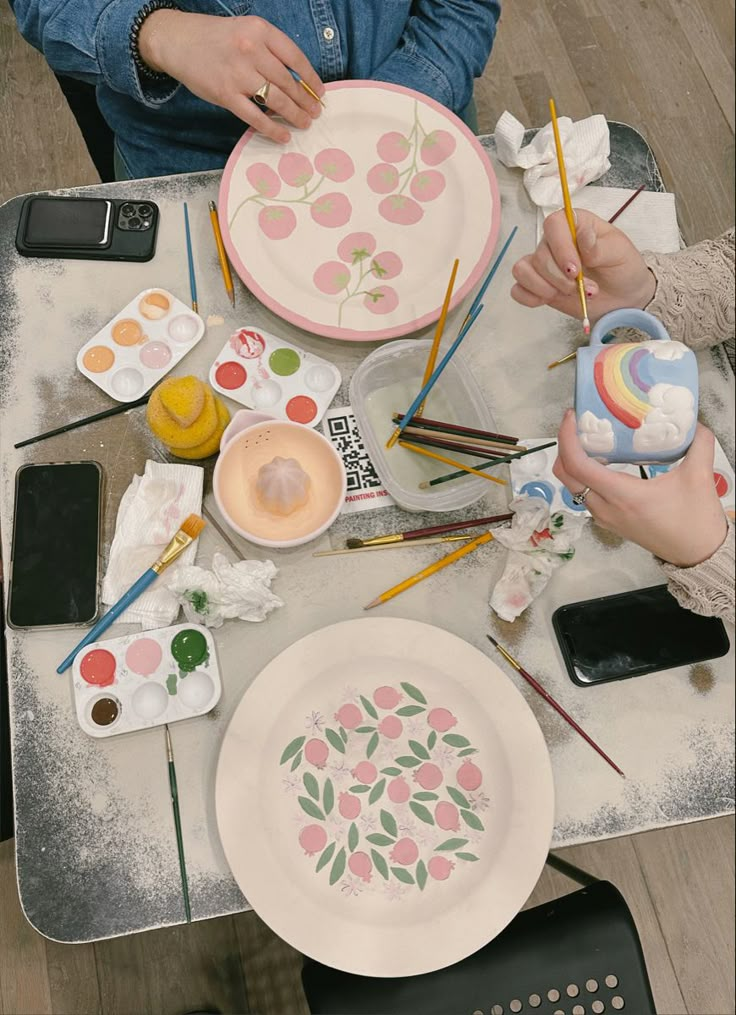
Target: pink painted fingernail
(571, 269)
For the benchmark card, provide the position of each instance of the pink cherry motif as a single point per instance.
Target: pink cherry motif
(348, 805)
(386, 265)
(439, 868)
(398, 790)
(428, 185)
(405, 851)
(331, 210)
(263, 179)
(469, 776)
(349, 716)
(331, 277)
(401, 210)
(313, 839)
(436, 147)
(393, 147)
(383, 178)
(316, 751)
(382, 299)
(441, 719)
(361, 866)
(446, 815)
(276, 222)
(365, 772)
(428, 775)
(355, 247)
(295, 169)
(387, 697)
(248, 344)
(391, 726)
(335, 164)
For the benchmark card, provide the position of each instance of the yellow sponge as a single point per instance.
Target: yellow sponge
(185, 415)
(212, 445)
(183, 398)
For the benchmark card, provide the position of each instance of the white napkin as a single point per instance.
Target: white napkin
(586, 146)
(150, 513)
(241, 590)
(538, 543)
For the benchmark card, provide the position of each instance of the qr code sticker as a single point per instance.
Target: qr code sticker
(364, 488)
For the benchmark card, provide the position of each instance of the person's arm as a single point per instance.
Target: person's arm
(694, 297)
(706, 588)
(445, 46)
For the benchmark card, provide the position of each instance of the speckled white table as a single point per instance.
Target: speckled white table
(96, 849)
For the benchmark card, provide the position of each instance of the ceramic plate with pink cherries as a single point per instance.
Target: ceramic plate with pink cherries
(350, 230)
(385, 797)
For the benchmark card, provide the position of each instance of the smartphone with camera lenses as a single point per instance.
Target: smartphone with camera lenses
(87, 228)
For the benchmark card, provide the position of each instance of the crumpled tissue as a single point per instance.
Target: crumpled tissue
(241, 590)
(586, 145)
(538, 543)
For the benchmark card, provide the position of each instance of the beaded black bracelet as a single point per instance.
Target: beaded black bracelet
(143, 13)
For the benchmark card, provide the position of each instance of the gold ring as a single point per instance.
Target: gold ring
(261, 96)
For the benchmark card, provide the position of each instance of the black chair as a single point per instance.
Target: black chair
(6, 781)
(98, 137)
(578, 955)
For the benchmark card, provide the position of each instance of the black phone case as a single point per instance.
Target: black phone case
(560, 632)
(125, 244)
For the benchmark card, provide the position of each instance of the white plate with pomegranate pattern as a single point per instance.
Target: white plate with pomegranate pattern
(384, 797)
(350, 230)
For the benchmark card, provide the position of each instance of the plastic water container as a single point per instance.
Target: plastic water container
(388, 381)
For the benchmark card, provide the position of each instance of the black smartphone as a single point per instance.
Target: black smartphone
(633, 633)
(55, 552)
(89, 228)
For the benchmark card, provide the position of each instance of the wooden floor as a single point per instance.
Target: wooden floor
(663, 66)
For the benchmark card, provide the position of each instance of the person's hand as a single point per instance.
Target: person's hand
(676, 515)
(226, 60)
(614, 271)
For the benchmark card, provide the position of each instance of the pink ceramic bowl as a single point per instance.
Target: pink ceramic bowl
(253, 439)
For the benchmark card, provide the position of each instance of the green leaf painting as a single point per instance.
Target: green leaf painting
(426, 795)
(457, 797)
(407, 761)
(452, 844)
(421, 875)
(343, 735)
(365, 729)
(291, 749)
(328, 796)
(296, 762)
(389, 823)
(472, 820)
(419, 749)
(369, 707)
(466, 856)
(335, 740)
(372, 745)
(391, 771)
(402, 875)
(468, 750)
(377, 792)
(380, 840)
(454, 740)
(353, 837)
(326, 856)
(311, 785)
(360, 788)
(414, 693)
(379, 863)
(338, 867)
(432, 739)
(421, 812)
(407, 710)
(310, 807)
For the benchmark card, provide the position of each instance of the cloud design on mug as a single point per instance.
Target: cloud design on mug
(665, 350)
(596, 435)
(666, 426)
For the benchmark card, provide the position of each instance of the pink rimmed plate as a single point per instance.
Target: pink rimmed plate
(384, 797)
(350, 230)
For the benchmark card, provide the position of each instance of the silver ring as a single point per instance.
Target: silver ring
(579, 498)
(261, 96)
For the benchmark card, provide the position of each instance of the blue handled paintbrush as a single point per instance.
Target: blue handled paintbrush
(186, 535)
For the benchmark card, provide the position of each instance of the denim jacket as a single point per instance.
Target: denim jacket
(435, 46)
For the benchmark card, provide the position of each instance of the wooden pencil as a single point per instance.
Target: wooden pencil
(450, 461)
(438, 331)
(438, 565)
(569, 213)
(227, 277)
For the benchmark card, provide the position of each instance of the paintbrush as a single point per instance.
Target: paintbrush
(431, 530)
(105, 414)
(310, 91)
(392, 546)
(456, 428)
(190, 260)
(177, 824)
(435, 347)
(425, 484)
(454, 442)
(190, 529)
(427, 572)
(451, 461)
(569, 213)
(551, 701)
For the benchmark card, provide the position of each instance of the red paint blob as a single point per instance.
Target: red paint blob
(98, 667)
(721, 484)
(230, 376)
(301, 409)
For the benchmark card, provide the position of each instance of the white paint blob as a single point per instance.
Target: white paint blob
(127, 383)
(150, 701)
(266, 394)
(183, 328)
(196, 689)
(319, 378)
(155, 355)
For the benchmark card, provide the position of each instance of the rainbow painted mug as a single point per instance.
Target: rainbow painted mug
(636, 402)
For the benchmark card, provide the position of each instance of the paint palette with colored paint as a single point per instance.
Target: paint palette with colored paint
(140, 344)
(263, 372)
(145, 679)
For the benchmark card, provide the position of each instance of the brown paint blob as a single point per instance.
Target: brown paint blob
(105, 711)
(701, 678)
(98, 359)
(127, 332)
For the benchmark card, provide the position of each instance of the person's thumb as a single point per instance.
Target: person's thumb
(700, 456)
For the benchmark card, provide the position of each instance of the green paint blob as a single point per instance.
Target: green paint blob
(171, 683)
(189, 648)
(284, 362)
(199, 600)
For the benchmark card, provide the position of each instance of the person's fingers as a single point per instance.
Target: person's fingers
(281, 105)
(289, 54)
(274, 71)
(526, 298)
(544, 264)
(249, 113)
(583, 470)
(528, 277)
(699, 458)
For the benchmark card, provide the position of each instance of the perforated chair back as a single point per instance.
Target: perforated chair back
(578, 955)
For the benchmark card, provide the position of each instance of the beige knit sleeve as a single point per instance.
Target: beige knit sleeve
(707, 588)
(694, 297)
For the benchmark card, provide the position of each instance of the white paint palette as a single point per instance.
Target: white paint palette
(140, 344)
(264, 372)
(145, 679)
